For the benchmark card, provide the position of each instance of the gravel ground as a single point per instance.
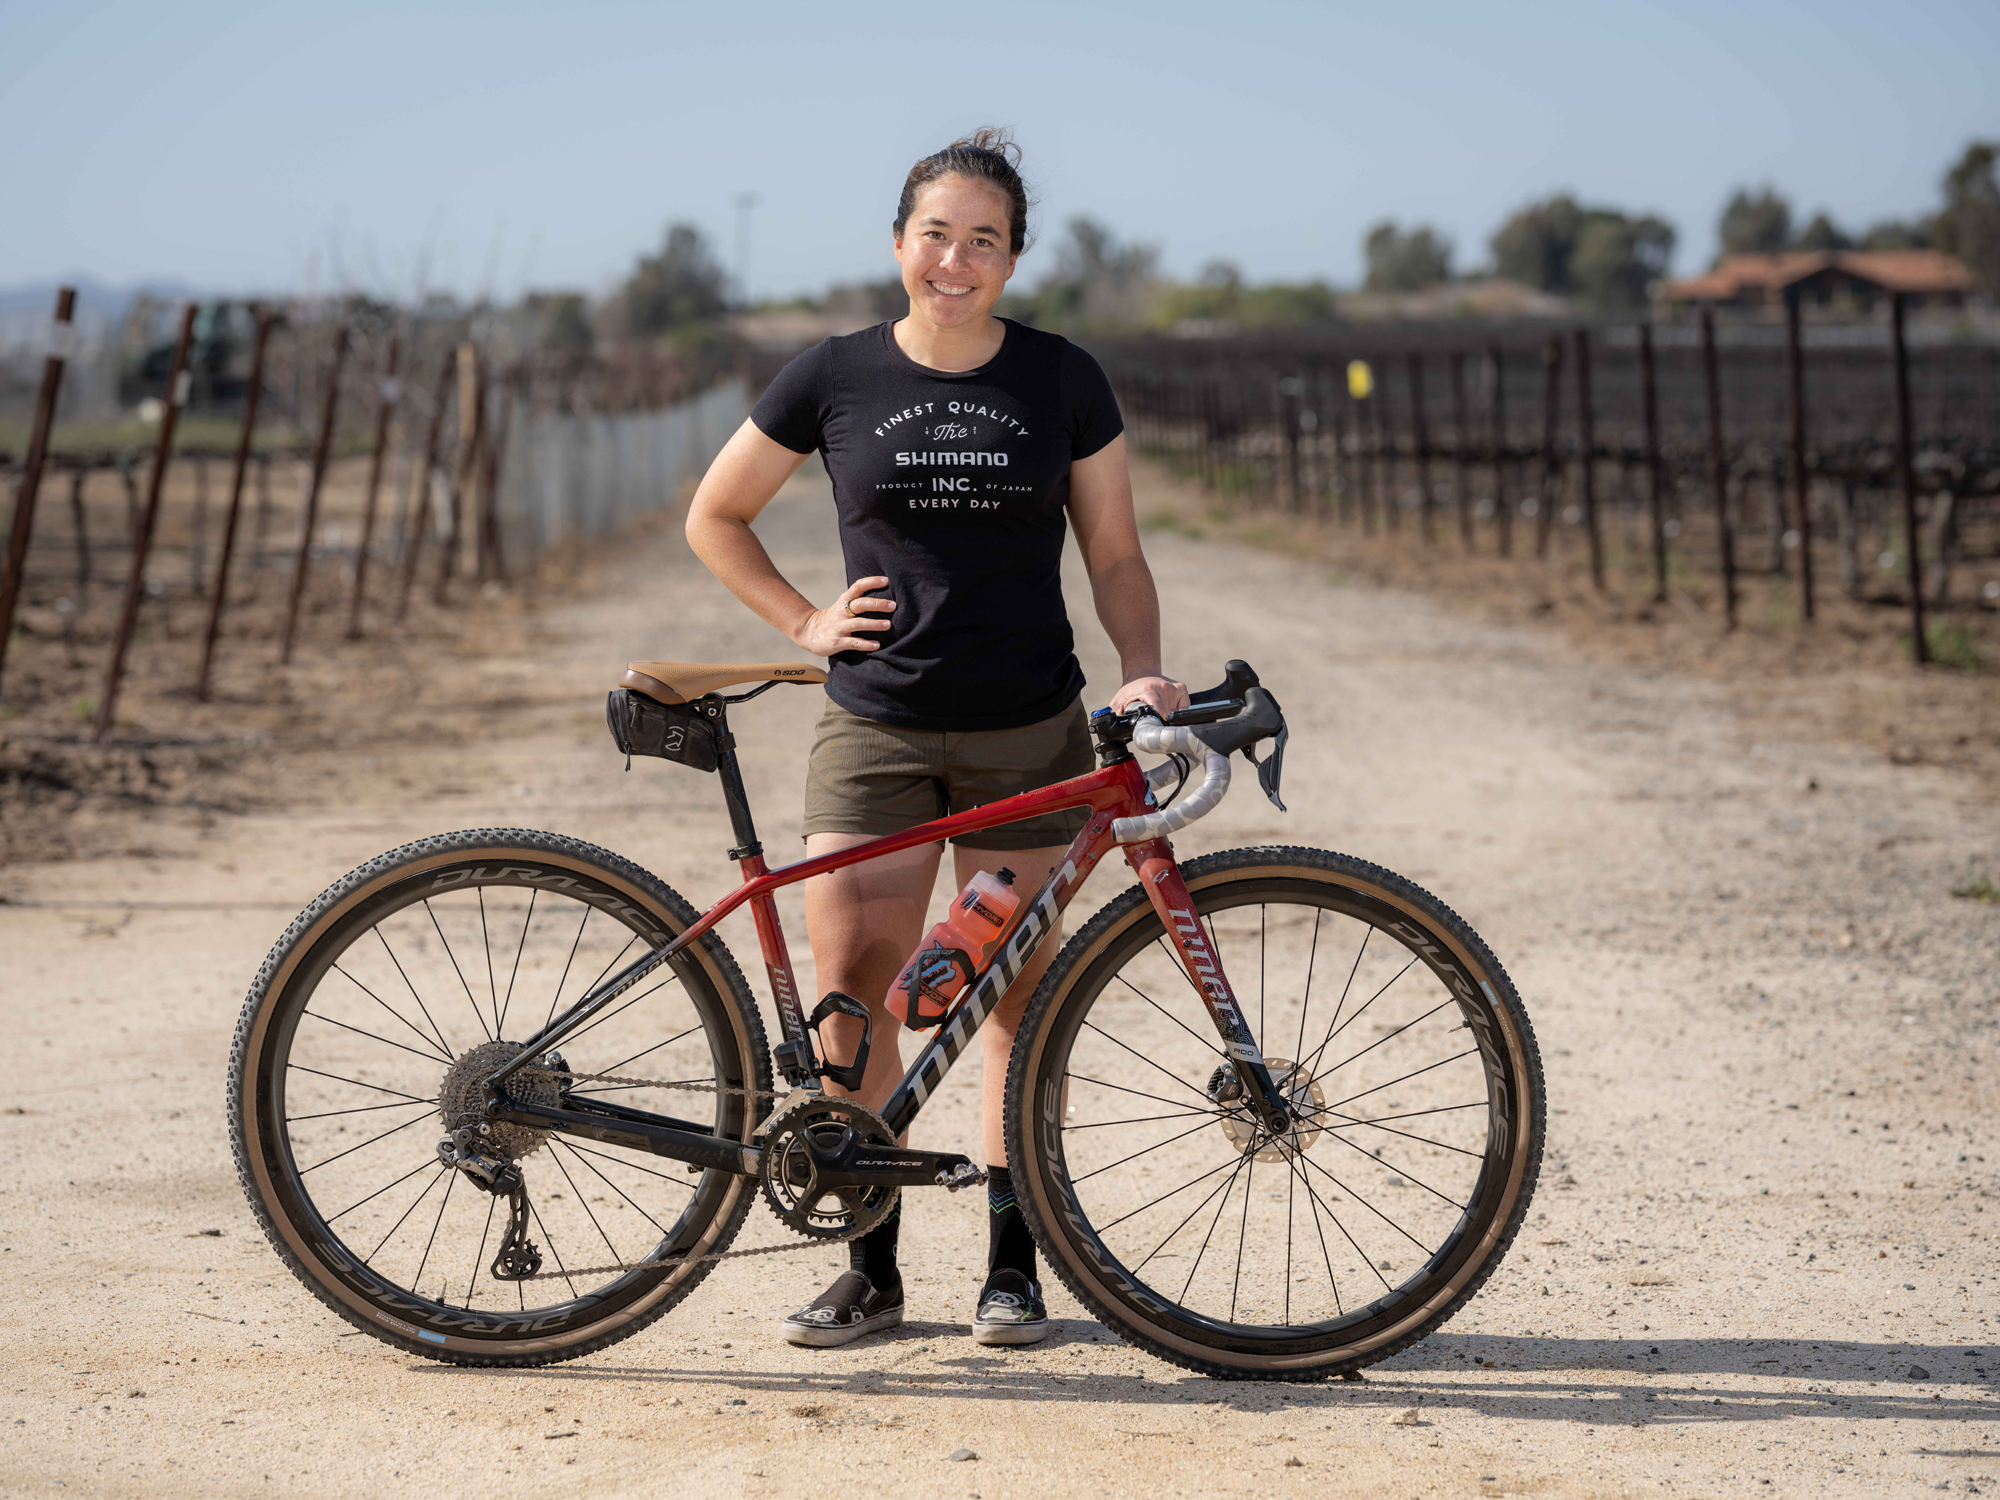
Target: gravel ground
(1762, 1258)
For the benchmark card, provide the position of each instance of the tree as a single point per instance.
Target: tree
(1605, 257)
(1536, 244)
(1968, 225)
(1405, 262)
(1897, 234)
(1618, 259)
(1755, 222)
(1098, 282)
(1823, 234)
(682, 284)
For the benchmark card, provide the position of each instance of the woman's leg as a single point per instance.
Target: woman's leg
(1031, 867)
(863, 923)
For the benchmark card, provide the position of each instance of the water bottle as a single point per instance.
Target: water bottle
(953, 951)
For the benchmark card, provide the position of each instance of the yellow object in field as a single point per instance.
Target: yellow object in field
(1360, 379)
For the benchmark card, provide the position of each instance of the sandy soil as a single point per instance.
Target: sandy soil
(1774, 1174)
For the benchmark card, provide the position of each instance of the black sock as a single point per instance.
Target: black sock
(874, 1254)
(1011, 1247)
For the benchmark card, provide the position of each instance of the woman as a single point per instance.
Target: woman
(958, 444)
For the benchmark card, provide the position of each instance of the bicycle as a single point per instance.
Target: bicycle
(1375, 1164)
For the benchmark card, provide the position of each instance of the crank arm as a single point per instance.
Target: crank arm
(639, 1132)
(887, 1166)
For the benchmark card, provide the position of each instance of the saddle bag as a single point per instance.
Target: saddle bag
(641, 726)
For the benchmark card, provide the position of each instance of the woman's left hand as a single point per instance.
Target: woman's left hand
(1163, 693)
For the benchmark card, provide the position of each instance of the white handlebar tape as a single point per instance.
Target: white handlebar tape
(1158, 739)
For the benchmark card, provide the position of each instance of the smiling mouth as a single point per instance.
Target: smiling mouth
(949, 288)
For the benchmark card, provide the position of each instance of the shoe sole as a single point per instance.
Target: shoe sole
(1010, 1333)
(813, 1336)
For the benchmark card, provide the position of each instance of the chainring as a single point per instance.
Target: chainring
(461, 1102)
(789, 1173)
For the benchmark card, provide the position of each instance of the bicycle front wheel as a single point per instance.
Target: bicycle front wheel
(1182, 1222)
(373, 1020)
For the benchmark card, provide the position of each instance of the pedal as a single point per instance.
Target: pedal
(963, 1175)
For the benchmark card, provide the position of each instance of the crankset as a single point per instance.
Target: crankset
(832, 1168)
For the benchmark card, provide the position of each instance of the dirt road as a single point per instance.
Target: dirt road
(1762, 1260)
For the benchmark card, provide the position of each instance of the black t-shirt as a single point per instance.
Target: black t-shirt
(953, 486)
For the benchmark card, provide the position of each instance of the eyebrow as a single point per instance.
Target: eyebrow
(933, 219)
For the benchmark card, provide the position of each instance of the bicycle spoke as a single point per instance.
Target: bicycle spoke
(301, 1067)
(417, 1280)
(1291, 1195)
(626, 1062)
(632, 1166)
(1179, 1114)
(556, 998)
(1359, 1011)
(1400, 1171)
(1448, 1000)
(1442, 1109)
(369, 1258)
(1205, 1041)
(1332, 1280)
(593, 1170)
(1142, 1152)
(456, 969)
(1306, 996)
(549, 1240)
(486, 942)
(1346, 989)
(479, 1255)
(583, 1203)
(1262, 912)
(1141, 1093)
(1211, 1228)
(1107, 1228)
(1242, 1230)
(419, 1167)
(507, 1003)
(1145, 1059)
(359, 1109)
(1468, 1052)
(1348, 1122)
(369, 1142)
(1231, 1167)
(426, 1056)
(571, 1040)
(414, 1029)
(437, 1030)
(1365, 1204)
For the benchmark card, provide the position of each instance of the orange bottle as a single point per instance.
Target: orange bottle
(953, 951)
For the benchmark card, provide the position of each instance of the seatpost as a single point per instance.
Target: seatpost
(733, 796)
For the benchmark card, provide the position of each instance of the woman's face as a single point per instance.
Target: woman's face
(953, 251)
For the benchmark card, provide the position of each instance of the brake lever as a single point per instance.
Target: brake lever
(1272, 766)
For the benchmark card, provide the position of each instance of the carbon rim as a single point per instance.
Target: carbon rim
(1386, 1199)
(346, 1095)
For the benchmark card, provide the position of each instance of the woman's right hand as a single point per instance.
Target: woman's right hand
(838, 627)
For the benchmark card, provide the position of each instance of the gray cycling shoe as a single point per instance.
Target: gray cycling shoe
(844, 1312)
(1010, 1311)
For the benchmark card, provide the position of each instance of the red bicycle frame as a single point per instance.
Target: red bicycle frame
(1118, 790)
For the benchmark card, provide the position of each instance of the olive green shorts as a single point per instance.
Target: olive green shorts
(873, 778)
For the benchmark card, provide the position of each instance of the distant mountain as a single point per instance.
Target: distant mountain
(94, 298)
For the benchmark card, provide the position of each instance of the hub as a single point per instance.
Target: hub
(1302, 1096)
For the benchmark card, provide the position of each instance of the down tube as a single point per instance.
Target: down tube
(928, 1071)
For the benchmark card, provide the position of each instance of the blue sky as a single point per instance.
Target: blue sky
(501, 146)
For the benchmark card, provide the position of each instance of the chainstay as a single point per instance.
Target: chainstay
(695, 1088)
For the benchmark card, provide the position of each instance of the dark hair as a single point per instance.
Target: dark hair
(990, 154)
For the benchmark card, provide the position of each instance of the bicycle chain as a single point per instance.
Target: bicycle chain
(714, 1255)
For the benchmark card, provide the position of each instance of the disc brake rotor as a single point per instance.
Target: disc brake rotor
(1302, 1096)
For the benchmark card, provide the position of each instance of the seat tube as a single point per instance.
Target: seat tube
(777, 958)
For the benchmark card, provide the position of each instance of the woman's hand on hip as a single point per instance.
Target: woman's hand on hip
(1163, 693)
(841, 625)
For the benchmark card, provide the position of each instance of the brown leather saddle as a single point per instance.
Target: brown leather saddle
(685, 681)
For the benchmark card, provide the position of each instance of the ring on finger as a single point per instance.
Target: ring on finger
(848, 605)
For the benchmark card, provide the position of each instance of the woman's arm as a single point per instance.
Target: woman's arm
(736, 488)
(1100, 508)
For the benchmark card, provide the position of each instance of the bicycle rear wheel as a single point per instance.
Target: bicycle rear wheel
(1171, 1213)
(382, 1006)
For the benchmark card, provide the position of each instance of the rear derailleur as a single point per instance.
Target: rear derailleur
(518, 1257)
